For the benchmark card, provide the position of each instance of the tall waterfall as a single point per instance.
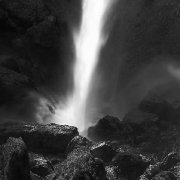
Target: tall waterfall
(88, 41)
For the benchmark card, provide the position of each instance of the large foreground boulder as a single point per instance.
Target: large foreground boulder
(16, 160)
(80, 164)
(50, 138)
(77, 142)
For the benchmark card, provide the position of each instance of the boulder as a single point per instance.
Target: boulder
(80, 164)
(129, 165)
(77, 142)
(16, 160)
(50, 138)
(109, 128)
(103, 151)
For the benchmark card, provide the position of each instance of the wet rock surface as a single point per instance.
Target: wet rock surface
(77, 142)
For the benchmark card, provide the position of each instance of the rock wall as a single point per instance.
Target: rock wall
(143, 42)
(36, 51)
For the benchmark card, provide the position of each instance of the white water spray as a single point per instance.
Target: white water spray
(88, 42)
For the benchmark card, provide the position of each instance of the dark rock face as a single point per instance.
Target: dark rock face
(108, 128)
(103, 151)
(143, 46)
(50, 138)
(76, 143)
(35, 50)
(80, 164)
(16, 160)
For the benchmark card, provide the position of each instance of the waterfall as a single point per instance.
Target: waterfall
(88, 41)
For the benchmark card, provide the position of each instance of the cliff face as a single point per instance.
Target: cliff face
(36, 49)
(142, 44)
(32, 34)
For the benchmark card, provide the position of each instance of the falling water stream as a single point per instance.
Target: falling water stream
(88, 41)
